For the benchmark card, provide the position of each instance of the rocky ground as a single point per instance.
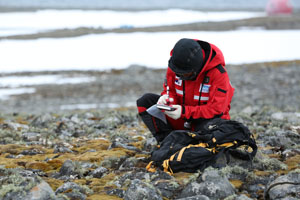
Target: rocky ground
(102, 153)
(49, 151)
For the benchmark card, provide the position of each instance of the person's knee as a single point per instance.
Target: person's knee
(146, 100)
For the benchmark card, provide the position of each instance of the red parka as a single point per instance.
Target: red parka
(215, 94)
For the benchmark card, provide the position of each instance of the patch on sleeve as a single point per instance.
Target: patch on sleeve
(221, 69)
(224, 91)
(205, 88)
(178, 81)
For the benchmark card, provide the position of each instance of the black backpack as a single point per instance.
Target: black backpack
(188, 151)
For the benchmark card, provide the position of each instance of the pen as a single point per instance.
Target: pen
(168, 91)
(168, 100)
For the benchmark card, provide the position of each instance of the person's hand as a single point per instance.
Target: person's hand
(164, 99)
(176, 113)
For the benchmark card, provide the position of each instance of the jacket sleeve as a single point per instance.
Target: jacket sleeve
(219, 98)
(170, 81)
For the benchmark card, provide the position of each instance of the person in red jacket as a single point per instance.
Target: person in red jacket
(197, 86)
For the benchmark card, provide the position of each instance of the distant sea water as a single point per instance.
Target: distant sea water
(142, 4)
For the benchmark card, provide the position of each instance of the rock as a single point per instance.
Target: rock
(129, 163)
(31, 136)
(69, 186)
(42, 191)
(62, 149)
(124, 181)
(197, 197)
(160, 175)
(242, 197)
(287, 186)
(150, 144)
(113, 162)
(279, 141)
(70, 170)
(263, 163)
(31, 152)
(42, 121)
(289, 116)
(120, 193)
(86, 165)
(75, 119)
(290, 153)
(116, 144)
(23, 184)
(67, 169)
(141, 190)
(211, 184)
(296, 129)
(99, 172)
(236, 172)
(73, 191)
(17, 126)
(250, 110)
(167, 188)
(75, 195)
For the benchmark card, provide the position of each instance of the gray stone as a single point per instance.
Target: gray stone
(150, 144)
(99, 172)
(31, 152)
(262, 162)
(277, 141)
(290, 153)
(116, 144)
(197, 197)
(124, 181)
(31, 136)
(285, 186)
(289, 116)
(242, 197)
(211, 184)
(42, 121)
(113, 162)
(129, 163)
(88, 165)
(69, 186)
(76, 195)
(42, 191)
(70, 170)
(17, 126)
(167, 187)
(67, 169)
(62, 149)
(141, 190)
(120, 193)
(23, 184)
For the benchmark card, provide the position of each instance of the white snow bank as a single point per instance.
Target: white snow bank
(107, 51)
(17, 81)
(32, 22)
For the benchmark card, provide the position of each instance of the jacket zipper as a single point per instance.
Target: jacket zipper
(183, 89)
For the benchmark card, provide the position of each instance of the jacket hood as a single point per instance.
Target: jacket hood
(212, 56)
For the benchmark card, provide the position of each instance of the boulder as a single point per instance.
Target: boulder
(285, 187)
(211, 184)
(141, 190)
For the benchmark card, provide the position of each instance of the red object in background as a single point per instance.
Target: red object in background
(275, 7)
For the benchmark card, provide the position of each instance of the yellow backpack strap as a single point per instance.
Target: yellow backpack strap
(167, 167)
(227, 144)
(150, 167)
